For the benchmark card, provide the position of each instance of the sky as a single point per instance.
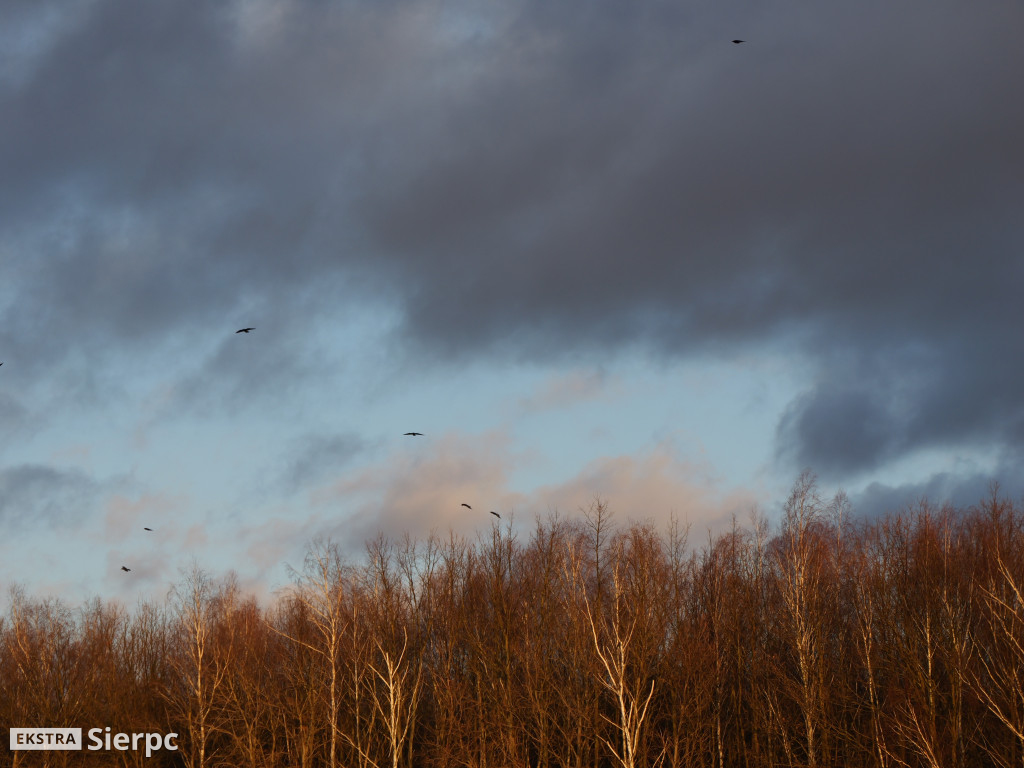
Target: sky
(588, 249)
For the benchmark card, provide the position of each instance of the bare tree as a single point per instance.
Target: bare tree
(868, 594)
(321, 590)
(447, 652)
(249, 712)
(200, 660)
(806, 587)
(998, 677)
(44, 656)
(387, 608)
(613, 634)
(299, 681)
(397, 696)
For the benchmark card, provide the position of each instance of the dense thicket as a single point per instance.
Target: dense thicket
(825, 641)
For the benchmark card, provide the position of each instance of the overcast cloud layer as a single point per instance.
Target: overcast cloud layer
(526, 180)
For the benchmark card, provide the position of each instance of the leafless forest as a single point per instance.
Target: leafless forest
(822, 641)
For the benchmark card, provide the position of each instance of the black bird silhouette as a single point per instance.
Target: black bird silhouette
(147, 529)
(496, 514)
(244, 330)
(413, 434)
(466, 505)
(737, 42)
(125, 569)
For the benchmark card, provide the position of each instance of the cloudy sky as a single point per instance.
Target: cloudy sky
(587, 248)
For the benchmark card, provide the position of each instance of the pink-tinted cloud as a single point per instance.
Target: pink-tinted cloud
(277, 540)
(196, 536)
(422, 489)
(651, 486)
(566, 390)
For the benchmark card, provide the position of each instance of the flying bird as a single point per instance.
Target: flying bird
(414, 434)
(147, 529)
(244, 330)
(737, 42)
(496, 514)
(125, 569)
(466, 505)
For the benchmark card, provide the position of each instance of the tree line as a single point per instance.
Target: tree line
(822, 640)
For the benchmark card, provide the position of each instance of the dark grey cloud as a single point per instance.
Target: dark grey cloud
(254, 370)
(540, 179)
(34, 495)
(964, 487)
(15, 417)
(876, 404)
(838, 425)
(316, 456)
